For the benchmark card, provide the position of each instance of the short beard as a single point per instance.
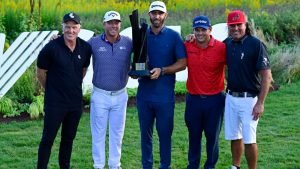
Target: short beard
(159, 25)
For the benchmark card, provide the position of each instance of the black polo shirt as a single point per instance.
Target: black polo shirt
(65, 72)
(244, 60)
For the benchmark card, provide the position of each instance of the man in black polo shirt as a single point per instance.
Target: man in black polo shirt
(61, 67)
(248, 83)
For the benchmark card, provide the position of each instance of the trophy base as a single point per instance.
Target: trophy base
(139, 73)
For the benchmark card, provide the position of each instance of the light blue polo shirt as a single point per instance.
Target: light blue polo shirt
(164, 50)
(111, 62)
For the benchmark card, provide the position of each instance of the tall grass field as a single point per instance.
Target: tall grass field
(278, 139)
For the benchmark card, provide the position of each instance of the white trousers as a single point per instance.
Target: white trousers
(107, 109)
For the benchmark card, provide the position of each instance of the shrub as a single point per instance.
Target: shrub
(6, 107)
(180, 88)
(36, 108)
(87, 97)
(285, 64)
(25, 88)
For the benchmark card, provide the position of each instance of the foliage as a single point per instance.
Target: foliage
(281, 26)
(22, 94)
(36, 108)
(285, 64)
(25, 88)
(20, 17)
(180, 88)
(2, 27)
(131, 92)
(6, 107)
(87, 96)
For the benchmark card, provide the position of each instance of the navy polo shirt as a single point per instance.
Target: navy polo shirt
(245, 58)
(164, 50)
(65, 72)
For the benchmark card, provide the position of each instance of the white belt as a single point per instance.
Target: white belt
(111, 93)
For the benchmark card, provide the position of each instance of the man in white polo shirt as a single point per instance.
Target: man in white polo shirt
(111, 63)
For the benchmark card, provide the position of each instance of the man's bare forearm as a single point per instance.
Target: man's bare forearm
(179, 65)
(266, 78)
(41, 76)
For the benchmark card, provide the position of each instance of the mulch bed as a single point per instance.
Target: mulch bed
(25, 116)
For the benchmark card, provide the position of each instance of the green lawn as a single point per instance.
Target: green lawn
(278, 139)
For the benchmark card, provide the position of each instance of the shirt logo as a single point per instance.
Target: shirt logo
(242, 55)
(265, 61)
(102, 49)
(79, 57)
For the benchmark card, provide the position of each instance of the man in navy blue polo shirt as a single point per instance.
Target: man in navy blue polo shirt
(249, 78)
(61, 67)
(111, 63)
(155, 95)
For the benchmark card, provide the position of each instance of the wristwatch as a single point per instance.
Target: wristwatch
(162, 71)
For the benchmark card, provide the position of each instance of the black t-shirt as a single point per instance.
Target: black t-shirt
(65, 72)
(244, 60)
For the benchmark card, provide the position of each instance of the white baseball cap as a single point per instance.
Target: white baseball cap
(111, 15)
(158, 6)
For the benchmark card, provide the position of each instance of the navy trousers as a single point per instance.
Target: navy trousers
(54, 118)
(204, 114)
(163, 113)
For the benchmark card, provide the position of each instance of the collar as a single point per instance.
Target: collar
(103, 37)
(164, 29)
(241, 40)
(61, 40)
(210, 43)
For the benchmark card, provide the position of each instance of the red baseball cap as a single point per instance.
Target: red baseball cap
(236, 17)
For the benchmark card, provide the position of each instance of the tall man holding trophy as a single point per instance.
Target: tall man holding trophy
(155, 96)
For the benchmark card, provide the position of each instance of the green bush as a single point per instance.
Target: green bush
(2, 27)
(25, 88)
(36, 108)
(180, 88)
(285, 64)
(87, 97)
(6, 107)
(283, 26)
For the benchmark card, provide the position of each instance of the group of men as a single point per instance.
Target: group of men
(63, 62)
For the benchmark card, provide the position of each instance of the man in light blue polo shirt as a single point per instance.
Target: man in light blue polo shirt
(111, 63)
(155, 96)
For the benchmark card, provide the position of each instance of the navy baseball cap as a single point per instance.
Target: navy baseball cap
(201, 21)
(71, 17)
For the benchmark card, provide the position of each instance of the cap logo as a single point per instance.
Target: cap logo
(153, 6)
(71, 15)
(236, 17)
(113, 14)
(200, 21)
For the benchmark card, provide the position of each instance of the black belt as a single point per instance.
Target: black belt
(240, 94)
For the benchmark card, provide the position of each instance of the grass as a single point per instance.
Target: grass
(278, 139)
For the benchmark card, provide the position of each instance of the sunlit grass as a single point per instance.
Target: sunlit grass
(278, 139)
